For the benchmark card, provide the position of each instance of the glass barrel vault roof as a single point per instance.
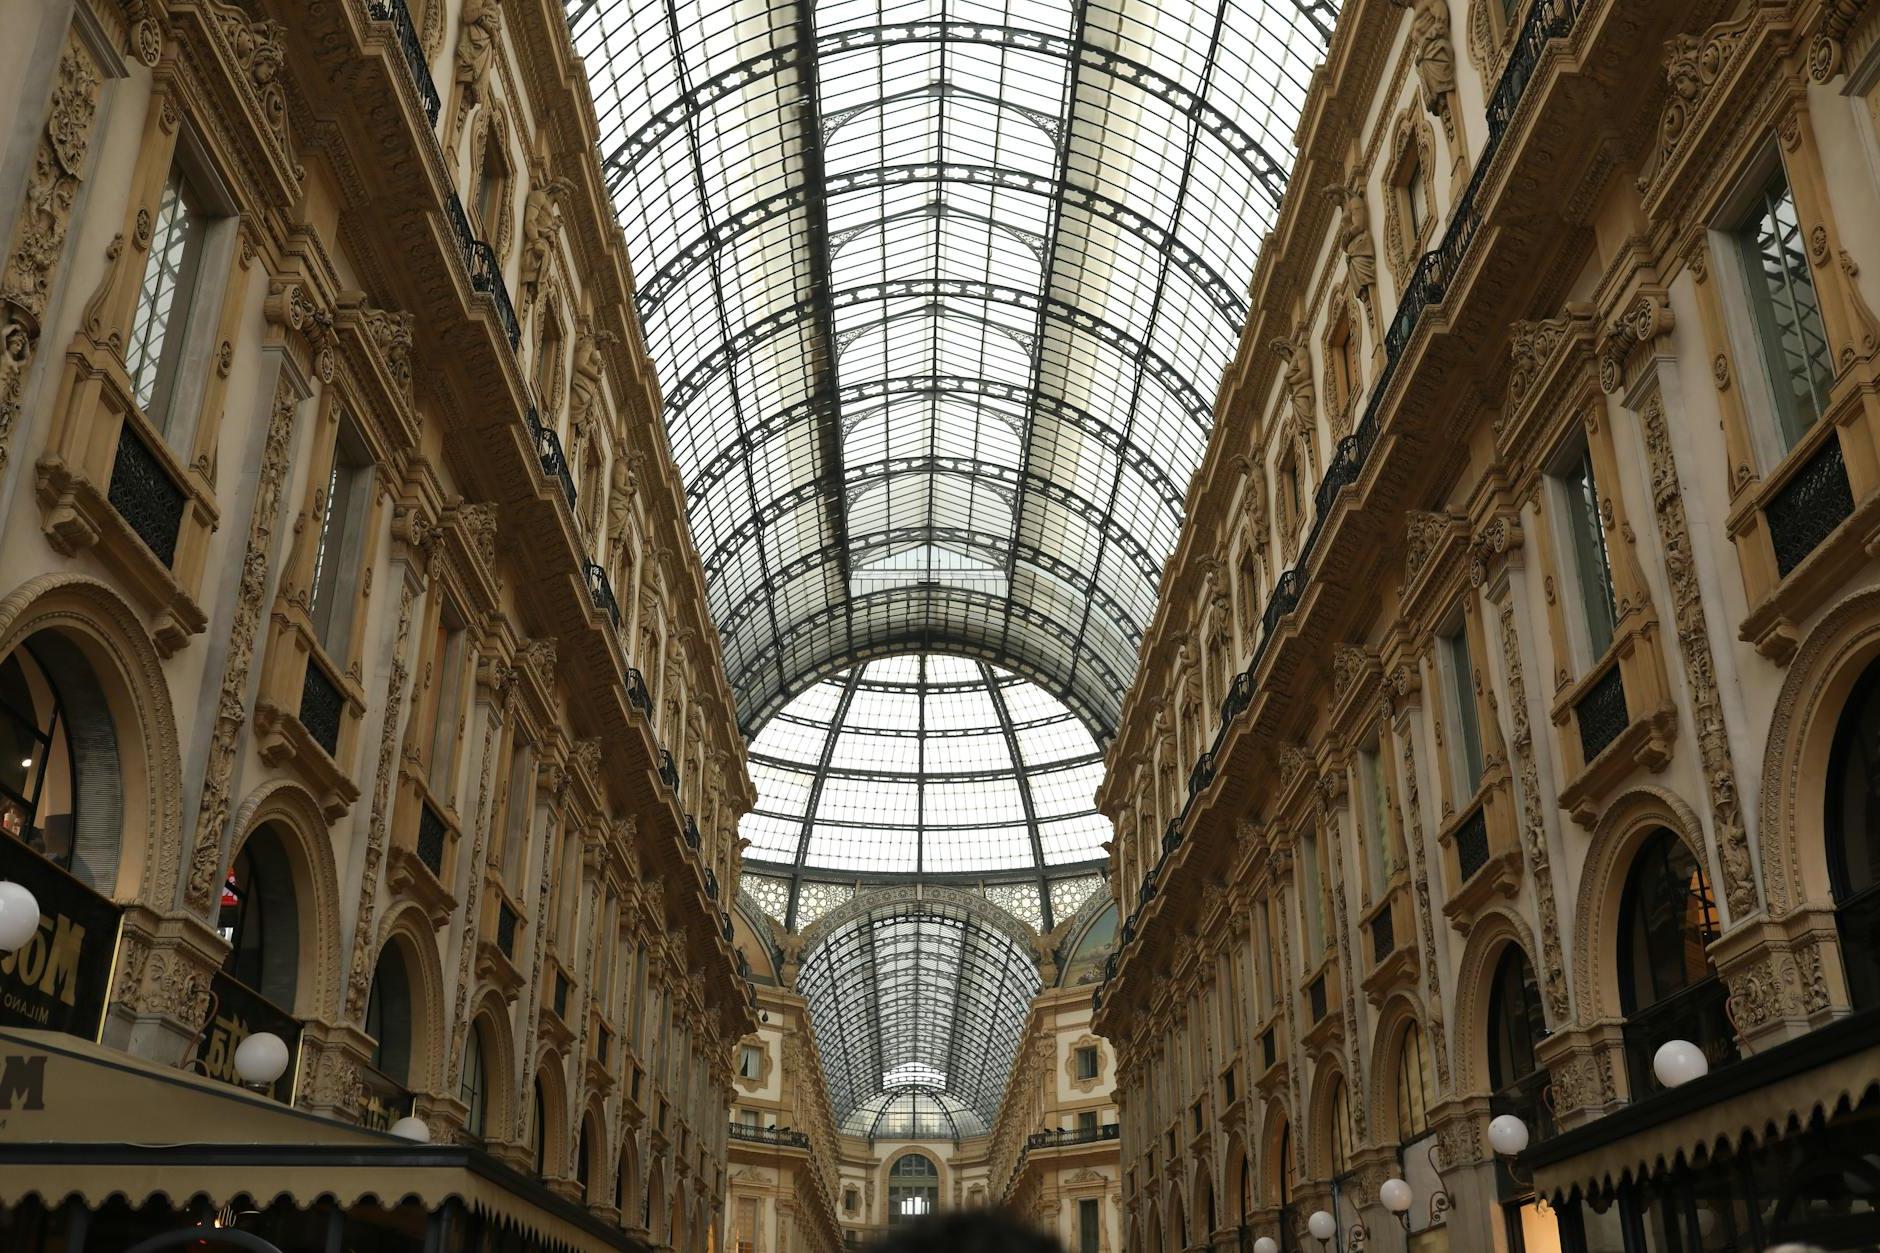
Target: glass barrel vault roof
(941, 292)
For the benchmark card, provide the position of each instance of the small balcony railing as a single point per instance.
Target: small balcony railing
(433, 832)
(770, 1135)
(506, 921)
(322, 704)
(145, 495)
(1472, 843)
(689, 829)
(1601, 713)
(1383, 935)
(668, 770)
(1815, 500)
(601, 592)
(1062, 1136)
(637, 695)
(395, 12)
(549, 453)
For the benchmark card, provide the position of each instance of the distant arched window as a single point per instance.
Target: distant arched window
(581, 1174)
(538, 1138)
(1515, 1020)
(1853, 834)
(58, 737)
(259, 918)
(1667, 988)
(913, 1188)
(388, 1017)
(473, 1089)
(1341, 1128)
(1413, 1087)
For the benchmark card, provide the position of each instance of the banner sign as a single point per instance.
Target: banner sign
(60, 979)
(239, 1013)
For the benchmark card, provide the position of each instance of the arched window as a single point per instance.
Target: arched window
(1341, 1129)
(38, 772)
(581, 1162)
(913, 1188)
(1515, 1021)
(388, 1017)
(1667, 988)
(538, 1131)
(260, 920)
(473, 1089)
(1413, 1087)
(1853, 833)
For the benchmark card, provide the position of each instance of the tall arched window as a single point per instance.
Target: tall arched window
(538, 1131)
(1853, 832)
(1413, 1087)
(581, 1174)
(38, 792)
(1666, 985)
(1515, 1021)
(913, 1188)
(473, 1088)
(388, 1017)
(1341, 1129)
(260, 920)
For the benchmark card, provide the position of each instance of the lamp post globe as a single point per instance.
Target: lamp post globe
(1677, 1062)
(19, 915)
(1322, 1225)
(261, 1058)
(413, 1129)
(1395, 1194)
(1507, 1135)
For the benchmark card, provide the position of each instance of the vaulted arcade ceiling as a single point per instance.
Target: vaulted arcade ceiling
(940, 293)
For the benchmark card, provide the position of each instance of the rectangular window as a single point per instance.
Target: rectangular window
(1269, 979)
(1230, 1090)
(747, 1224)
(1413, 193)
(516, 820)
(447, 660)
(1380, 842)
(749, 1117)
(1785, 310)
(750, 1062)
(1087, 1062)
(1465, 734)
(1311, 895)
(1586, 538)
(172, 279)
(339, 552)
(1087, 1122)
(1089, 1229)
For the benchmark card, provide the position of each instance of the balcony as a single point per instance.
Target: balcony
(781, 1136)
(1391, 951)
(395, 12)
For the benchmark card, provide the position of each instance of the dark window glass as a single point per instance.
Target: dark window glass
(1669, 918)
(1515, 1020)
(1853, 834)
(38, 780)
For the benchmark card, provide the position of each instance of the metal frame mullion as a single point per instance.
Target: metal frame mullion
(1155, 306)
(828, 381)
(1080, 23)
(718, 288)
(1023, 776)
(836, 721)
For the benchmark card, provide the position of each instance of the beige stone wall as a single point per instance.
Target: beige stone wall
(473, 784)
(1331, 878)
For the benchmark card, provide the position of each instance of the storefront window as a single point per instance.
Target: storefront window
(37, 780)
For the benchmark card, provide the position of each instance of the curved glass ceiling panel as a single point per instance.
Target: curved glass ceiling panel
(941, 292)
(918, 1007)
(927, 765)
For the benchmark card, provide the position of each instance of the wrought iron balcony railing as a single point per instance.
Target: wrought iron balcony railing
(321, 705)
(432, 833)
(145, 495)
(395, 12)
(1601, 713)
(601, 592)
(770, 1135)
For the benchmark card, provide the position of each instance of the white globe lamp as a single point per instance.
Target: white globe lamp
(1395, 1194)
(1322, 1225)
(412, 1128)
(19, 916)
(1507, 1135)
(261, 1059)
(1676, 1062)
(1266, 1244)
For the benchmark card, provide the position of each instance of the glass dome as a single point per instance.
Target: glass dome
(926, 765)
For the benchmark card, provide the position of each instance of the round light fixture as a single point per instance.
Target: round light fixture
(261, 1058)
(1395, 1194)
(19, 915)
(1677, 1062)
(412, 1128)
(1266, 1244)
(1507, 1135)
(1322, 1225)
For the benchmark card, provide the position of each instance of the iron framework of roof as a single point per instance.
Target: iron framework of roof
(941, 293)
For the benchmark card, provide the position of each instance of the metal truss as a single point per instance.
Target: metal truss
(1048, 308)
(726, 233)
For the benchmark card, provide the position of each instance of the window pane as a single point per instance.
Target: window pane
(1466, 746)
(1786, 310)
(1591, 568)
(163, 302)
